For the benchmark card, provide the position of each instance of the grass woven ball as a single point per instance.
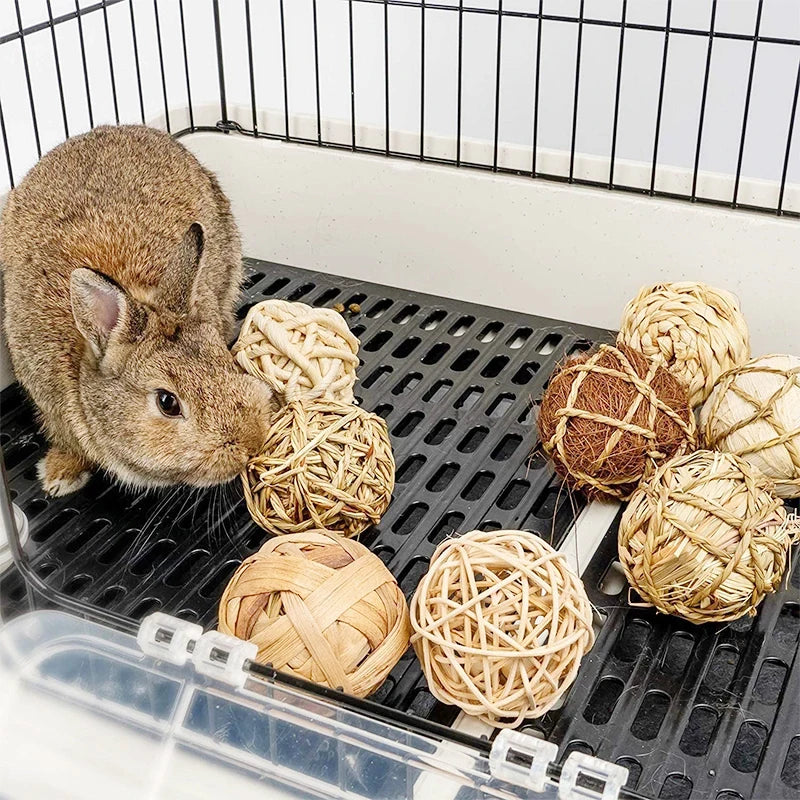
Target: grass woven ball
(298, 350)
(695, 331)
(754, 412)
(610, 415)
(321, 607)
(704, 538)
(325, 465)
(500, 624)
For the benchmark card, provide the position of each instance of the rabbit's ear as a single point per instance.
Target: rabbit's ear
(99, 307)
(177, 285)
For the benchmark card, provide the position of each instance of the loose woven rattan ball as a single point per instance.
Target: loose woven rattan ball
(321, 607)
(500, 625)
(754, 412)
(696, 331)
(704, 538)
(298, 350)
(610, 415)
(325, 465)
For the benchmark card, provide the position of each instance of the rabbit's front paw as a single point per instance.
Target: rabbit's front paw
(62, 472)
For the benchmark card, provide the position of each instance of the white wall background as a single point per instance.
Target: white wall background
(774, 78)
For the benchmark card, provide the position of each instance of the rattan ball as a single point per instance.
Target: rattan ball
(610, 415)
(704, 538)
(696, 331)
(500, 625)
(754, 412)
(321, 607)
(298, 350)
(325, 465)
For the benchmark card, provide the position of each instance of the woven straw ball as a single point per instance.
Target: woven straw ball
(694, 330)
(610, 415)
(754, 412)
(500, 625)
(321, 607)
(325, 465)
(704, 538)
(298, 350)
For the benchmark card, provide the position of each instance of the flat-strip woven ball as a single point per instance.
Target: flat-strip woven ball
(704, 538)
(298, 350)
(326, 465)
(501, 624)
(321, 607)
(610, 415)
(754, 412)
(695, 331)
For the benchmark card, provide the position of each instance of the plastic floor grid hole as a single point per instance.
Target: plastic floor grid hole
(469, 380)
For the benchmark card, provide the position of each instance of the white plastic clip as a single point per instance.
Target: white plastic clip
(223, 657)
(601, 779)
(521, 759)
(168, 638)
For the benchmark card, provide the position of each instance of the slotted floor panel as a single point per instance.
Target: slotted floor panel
(458, 385)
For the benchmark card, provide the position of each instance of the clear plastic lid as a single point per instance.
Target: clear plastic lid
(84, 713)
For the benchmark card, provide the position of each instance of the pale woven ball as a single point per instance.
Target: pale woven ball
(501, 624)
(298, 350)
(704, 538)
(754, 412)
(609, 416)
(696, 331)
(325, 465)
(320, 607)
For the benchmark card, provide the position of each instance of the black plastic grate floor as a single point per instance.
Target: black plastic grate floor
(693, 712)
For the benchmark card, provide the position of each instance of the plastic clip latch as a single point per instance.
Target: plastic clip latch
(223, 657)
(600, 780)
(521, 759)
(168, 638)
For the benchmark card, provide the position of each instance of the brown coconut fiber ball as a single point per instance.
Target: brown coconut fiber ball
(611, 415)
(321, 607)
(326, 465)
(704, 538)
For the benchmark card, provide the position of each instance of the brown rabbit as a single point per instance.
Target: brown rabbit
(121, 265)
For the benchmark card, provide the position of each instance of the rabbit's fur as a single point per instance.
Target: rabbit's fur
(121, 265)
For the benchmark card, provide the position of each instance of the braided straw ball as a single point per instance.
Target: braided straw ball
(298, 350)
(609, 416)
(704, 538)
(321, 607)
(500, 625)
(754, 412)
(325, 465)
(695, 331)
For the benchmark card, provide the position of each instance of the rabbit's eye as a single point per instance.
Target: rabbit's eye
(168, 404)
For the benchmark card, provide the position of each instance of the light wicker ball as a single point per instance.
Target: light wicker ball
(298, 350)
(609, 416)
(694, 330)
(321, 607)
(325, 465)
(704, 538)
(754, 412)
(500, 625)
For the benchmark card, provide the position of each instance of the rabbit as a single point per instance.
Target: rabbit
(121, 265)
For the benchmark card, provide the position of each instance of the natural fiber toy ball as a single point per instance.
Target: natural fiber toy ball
(695, 331)
(325, 465)
(500, 625)
(610, 415)
(704, 538)
(298, 350)
(754, 412)
(321, 607)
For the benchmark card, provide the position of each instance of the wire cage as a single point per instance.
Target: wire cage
(683, 99)
(693, 100)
